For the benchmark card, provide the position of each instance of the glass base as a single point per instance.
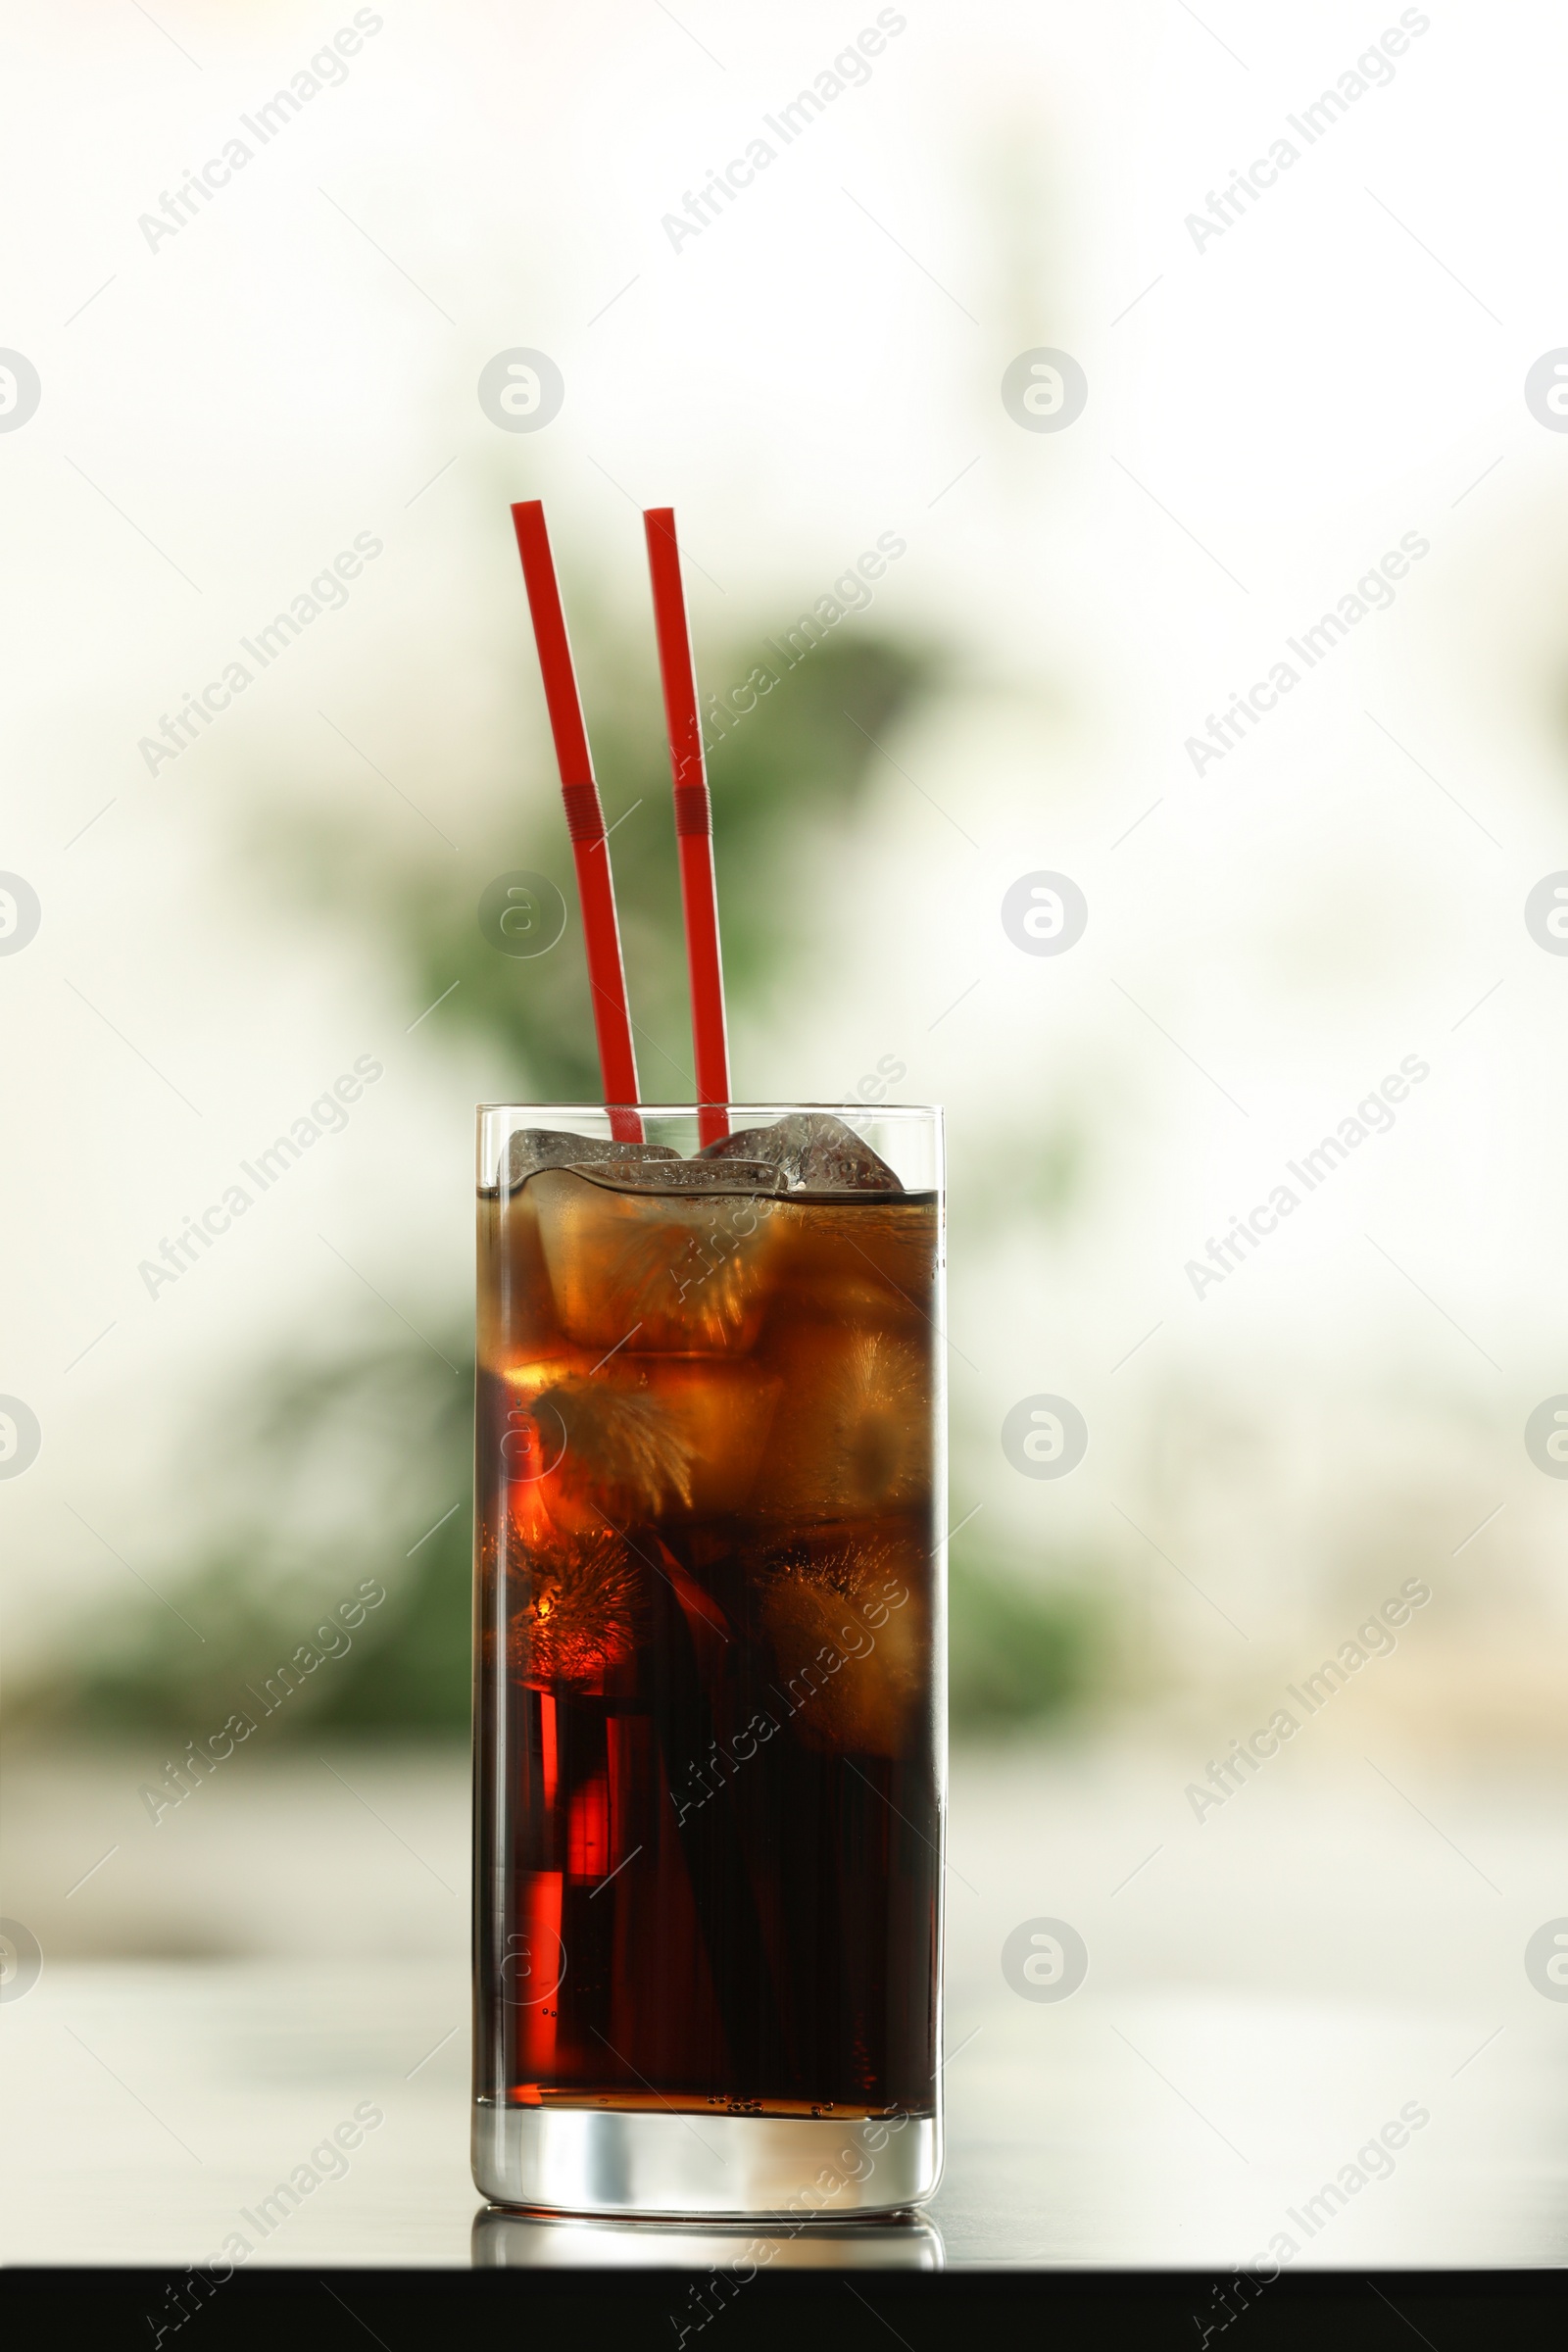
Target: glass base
(594, 2160)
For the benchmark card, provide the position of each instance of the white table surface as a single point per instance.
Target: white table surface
(1252, 2016)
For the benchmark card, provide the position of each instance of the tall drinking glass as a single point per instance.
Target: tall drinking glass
(709, 1634)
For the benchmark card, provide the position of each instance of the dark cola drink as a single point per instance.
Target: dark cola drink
(710, 1615)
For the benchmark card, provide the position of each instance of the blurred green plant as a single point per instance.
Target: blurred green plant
(788, 781)
(272, 1574)
(382, 1430)
(1017, 1653)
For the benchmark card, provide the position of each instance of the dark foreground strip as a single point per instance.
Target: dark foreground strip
(647, 2310)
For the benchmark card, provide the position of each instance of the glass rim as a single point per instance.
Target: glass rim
(692, 1110)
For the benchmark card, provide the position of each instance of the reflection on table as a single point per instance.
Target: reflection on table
(527, 2242)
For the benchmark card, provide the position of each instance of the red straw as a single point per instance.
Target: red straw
(694, 825)
(585, 823)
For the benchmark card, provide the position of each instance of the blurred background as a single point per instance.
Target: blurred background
(241, 380)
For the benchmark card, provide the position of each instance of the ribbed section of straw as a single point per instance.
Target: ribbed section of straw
(585, 819)
(693, 809)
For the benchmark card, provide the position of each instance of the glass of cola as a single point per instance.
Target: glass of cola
(709, 1711)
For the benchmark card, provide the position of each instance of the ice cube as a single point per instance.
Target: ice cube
(853, 1434)
(847, 1620)
(529, 1148)
(517, 1313)
(620, 1445)
(583, 1613)
(684, 1175)
(665, 1270)
(815, 1150)
(654, 1438)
